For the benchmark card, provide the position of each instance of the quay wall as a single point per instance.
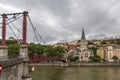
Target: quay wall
(83, 64)
(95, 64)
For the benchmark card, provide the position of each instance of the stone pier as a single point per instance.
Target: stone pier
(17, 68)
(3, 53)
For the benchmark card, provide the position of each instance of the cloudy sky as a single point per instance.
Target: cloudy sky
(63, 20)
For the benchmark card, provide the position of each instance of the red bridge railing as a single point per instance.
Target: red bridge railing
(45, 58)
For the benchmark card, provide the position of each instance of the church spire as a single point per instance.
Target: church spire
(83, 35)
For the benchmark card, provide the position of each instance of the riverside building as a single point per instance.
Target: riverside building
(112, 50)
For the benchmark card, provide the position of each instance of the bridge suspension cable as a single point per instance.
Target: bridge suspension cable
(33, 28)
(16, 27)
(14, 19)
(38, 36)
(13, 31)
(17, 30)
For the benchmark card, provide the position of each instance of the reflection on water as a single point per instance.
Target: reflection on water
(76, 73)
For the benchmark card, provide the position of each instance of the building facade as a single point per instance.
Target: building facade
(112, 50)
(102, 53)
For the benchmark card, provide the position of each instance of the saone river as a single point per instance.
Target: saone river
(76, 73)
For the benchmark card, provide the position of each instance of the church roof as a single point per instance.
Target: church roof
(83, 35)
(87, 50)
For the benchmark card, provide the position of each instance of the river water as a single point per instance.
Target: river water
(76, 73)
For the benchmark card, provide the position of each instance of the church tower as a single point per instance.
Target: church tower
(83, 42)
(84, 53)
(83, 35)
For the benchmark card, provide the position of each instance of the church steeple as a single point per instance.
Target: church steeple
(83, 35)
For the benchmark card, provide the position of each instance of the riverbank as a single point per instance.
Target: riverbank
(82, 64)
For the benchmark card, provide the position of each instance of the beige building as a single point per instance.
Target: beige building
(97, 42)
(59, 44)
(112, 50)
(73, 42)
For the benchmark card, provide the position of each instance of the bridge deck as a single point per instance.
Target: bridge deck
(45, 58)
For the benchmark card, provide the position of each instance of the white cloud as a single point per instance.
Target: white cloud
(9, 8)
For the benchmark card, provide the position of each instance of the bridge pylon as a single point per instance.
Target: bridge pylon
(23, 54)
(24, 48)
(3, 47)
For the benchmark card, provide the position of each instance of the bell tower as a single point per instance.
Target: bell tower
(83, 42)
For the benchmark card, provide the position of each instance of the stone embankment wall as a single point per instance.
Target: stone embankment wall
(82, 64)
(95, 64)
(11, 69)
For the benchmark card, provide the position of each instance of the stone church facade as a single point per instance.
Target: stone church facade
(84, 52)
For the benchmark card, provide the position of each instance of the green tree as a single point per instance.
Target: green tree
(70, 58)
(118, 41)
(39, 49)
(103, 42)
(10, 42)
(49, 50)
(94, 50)
(59, 51)
(74, 59)
(54, 51)
(13, 49)
(115, 58)
(95, 58)
(31, 49)
(91, 58)
(89, 43)
(35, 49)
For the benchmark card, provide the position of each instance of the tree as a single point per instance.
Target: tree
(39, 49)
(95, 58)
(115, 58)
(13, 49)
(76, 58)
(31, 49)
(59, 51)
(49, 50)
(10, 42)
(54, 51)
(89, 43)
(94, 50)
(35, 49)
(91, 58)
(103, 42)
(71, 58)
(118, 41)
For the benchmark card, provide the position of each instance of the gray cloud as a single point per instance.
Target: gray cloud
(58, 20)
(97, 36)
